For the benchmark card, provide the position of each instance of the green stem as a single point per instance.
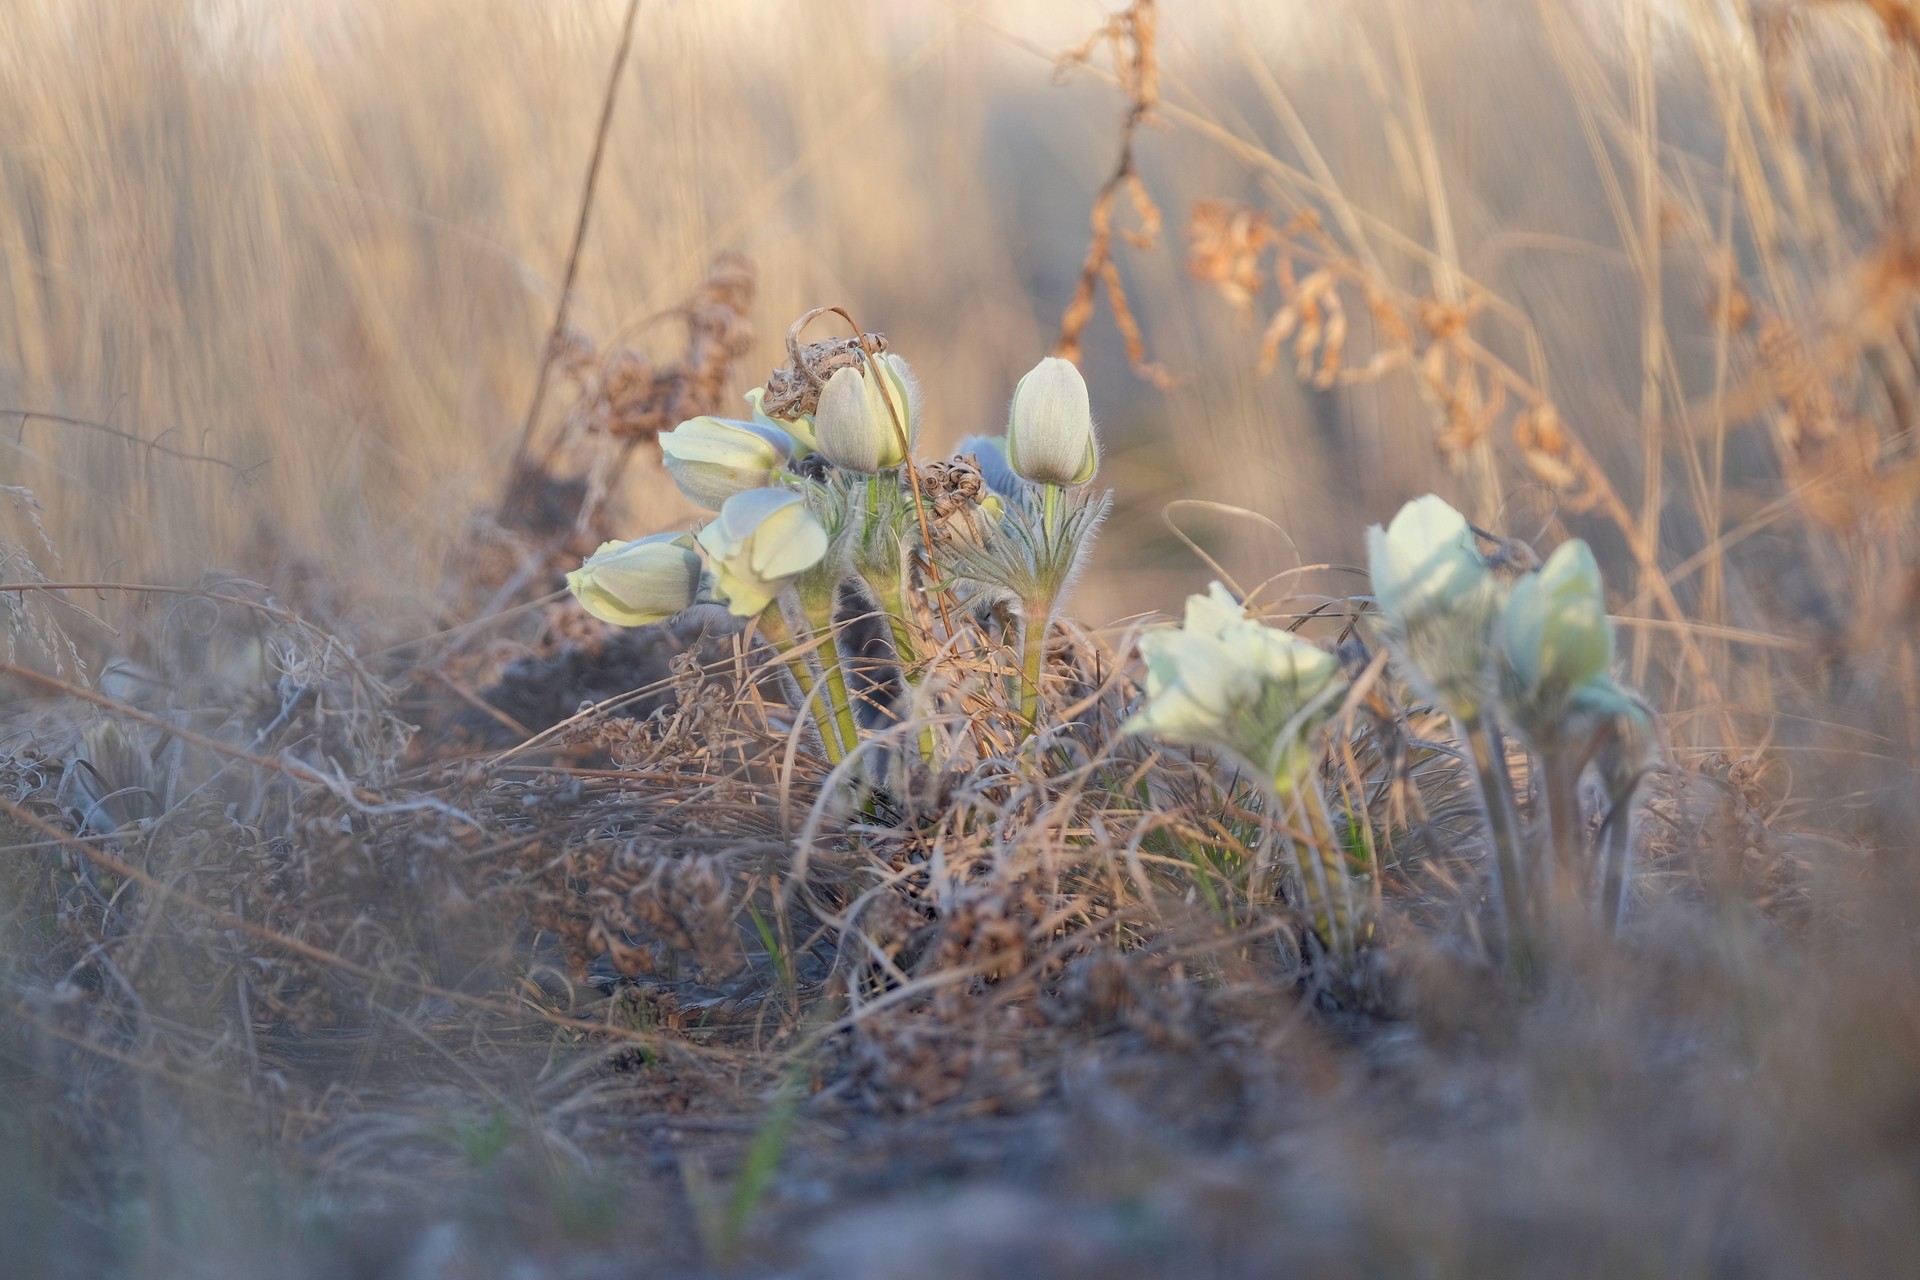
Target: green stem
(842, 705)
(1561, 778)
(774, 627)
(1503, 828)
(1033, 641)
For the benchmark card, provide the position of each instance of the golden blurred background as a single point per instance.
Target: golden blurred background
(316, 246)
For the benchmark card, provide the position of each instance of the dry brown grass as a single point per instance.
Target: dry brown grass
(293, 987)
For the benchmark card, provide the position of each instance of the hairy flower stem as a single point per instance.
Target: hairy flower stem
(1323, 874)
(840, 704)
(1034, 618)
(1503, 827)
(1561, 779)
(773, 625)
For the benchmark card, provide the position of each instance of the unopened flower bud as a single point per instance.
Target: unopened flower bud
(1439, 598)
(711, 459)
(631, 584)
(1555, 634)
(866, 418)
(1050, 437)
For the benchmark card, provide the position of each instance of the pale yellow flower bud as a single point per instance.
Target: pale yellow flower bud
(1555, 634)
(855, 426)
(711, 459)
(761, 540)
(1050, 438)
(1439, 598)
(631, 584)
(1425, 561)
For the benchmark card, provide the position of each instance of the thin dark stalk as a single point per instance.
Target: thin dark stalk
(1617, 859)
(573, 254)
(1503, 827)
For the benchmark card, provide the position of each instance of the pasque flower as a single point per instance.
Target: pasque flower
(711, 459)
(1555, 634)
(631, 584)
(800, 428)
(866, 419)
(1438, 598)
(1050, 438)
(1224, 679)
(761, 540)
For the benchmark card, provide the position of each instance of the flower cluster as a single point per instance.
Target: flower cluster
(1489, 649)
(1532, 653)
(818, 500)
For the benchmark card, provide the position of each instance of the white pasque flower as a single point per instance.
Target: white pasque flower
(1555, 634)
(800, 428)
(711, 459)
(1438, 597)
(863, 411)
(761, 540)
(631, 584)
(1050, 438)
(1226, 680)
(1424, 561)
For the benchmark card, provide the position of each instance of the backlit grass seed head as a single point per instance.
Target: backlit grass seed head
(761, 540)
(800, 428)
(855, 423)
(632, 584)
(1223, 679)
(1050, 437)
(1555, 634)
(1438, 598)
(712, 459)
